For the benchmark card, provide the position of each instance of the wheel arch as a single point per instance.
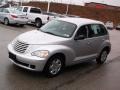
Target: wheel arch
(59, 54)
(107, 48)
(6, 18)
(38, 19)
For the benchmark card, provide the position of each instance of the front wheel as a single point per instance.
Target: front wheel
(54, 66)
(102, 58)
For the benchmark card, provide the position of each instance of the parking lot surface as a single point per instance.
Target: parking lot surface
(84, 76)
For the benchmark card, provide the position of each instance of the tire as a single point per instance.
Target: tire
(54, 66)
(21, 25)
(38, 23)
(102, 57)
(6, 21)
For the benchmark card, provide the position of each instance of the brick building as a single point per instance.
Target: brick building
(101, 6)
(85, 12)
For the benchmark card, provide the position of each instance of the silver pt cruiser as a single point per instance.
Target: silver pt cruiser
(59, 43)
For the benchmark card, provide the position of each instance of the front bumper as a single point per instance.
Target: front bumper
(26, 61)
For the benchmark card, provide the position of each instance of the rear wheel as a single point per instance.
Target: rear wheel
(102, 58)
(38, 23)
(54, 66)
(6, 21)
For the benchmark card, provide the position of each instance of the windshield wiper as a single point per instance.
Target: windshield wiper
(51, 33)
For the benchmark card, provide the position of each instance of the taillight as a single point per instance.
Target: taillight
(13, 16)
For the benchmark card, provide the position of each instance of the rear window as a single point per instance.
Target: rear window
(35, 10)
(15, 11)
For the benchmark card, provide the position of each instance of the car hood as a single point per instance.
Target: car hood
(37, 37)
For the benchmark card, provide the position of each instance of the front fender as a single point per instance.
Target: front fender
(54, 49)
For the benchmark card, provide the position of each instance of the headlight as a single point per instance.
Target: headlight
(42, 54)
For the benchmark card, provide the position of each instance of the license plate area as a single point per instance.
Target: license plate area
(12, 56)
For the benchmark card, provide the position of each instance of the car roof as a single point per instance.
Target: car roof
(30, 6)
(80, 21)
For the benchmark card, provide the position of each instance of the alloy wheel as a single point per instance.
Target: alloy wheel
(55, 66)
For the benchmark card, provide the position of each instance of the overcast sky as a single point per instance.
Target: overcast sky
(81, 2)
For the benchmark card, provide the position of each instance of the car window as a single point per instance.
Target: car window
(35, 10)
(96, 30)
(25, 9)
(5, 11)
(82, 31)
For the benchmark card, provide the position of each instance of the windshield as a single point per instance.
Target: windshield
(59, 28)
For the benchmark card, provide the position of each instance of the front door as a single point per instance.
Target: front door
(82, 47)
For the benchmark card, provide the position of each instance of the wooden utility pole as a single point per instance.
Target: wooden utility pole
(67, 9)
(48, 8)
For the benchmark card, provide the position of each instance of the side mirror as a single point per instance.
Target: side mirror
(80, 37)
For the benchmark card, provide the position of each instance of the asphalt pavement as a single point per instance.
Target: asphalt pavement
(84, 76)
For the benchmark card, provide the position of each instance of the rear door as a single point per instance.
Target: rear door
(96, 36)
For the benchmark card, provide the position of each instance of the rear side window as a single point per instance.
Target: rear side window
(96, 30)
(25, 9)
(35, 10)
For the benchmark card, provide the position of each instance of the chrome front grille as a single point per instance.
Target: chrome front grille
(20, 46)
